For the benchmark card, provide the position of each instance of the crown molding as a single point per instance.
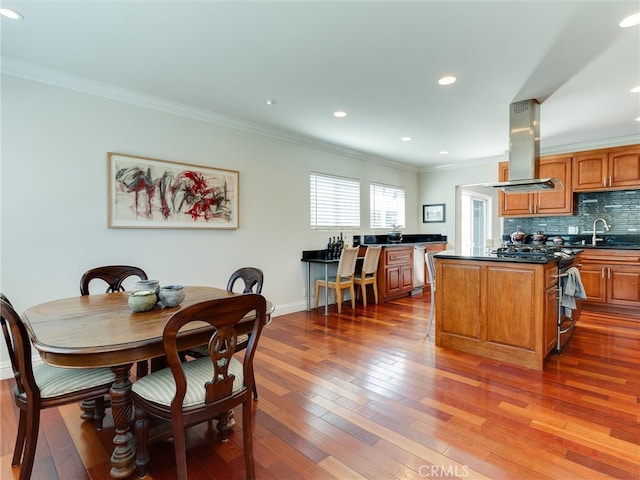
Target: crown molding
(37, 73)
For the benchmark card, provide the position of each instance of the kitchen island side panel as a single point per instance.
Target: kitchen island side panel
(460, 315)
(495, 310)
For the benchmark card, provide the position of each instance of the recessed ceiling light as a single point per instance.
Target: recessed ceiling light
(444, 152)
(406, 139)
(339, 114)
(448, 80)
(630, 21)
(635, 89)
(637, 119)
(271, 102)
(12, 14)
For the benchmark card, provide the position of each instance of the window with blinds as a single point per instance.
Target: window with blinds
(387, 206)
(335, 202)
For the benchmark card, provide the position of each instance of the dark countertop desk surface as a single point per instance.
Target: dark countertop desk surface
(309, 258)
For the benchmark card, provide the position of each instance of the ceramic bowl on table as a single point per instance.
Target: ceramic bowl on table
(153, 285)
(142, 300)
(171, 295)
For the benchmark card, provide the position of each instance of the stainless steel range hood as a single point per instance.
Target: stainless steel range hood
(524, 151)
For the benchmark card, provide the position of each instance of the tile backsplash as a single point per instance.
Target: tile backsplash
(620, 208)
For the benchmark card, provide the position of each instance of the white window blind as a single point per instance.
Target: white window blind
(335, 202)
(387, 206)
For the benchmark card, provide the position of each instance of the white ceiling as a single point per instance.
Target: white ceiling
(377, 60)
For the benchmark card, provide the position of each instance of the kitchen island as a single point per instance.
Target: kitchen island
(500, 308)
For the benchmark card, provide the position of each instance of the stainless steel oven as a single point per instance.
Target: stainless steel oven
(566, 318)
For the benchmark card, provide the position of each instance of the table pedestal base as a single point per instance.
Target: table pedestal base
(124, 452)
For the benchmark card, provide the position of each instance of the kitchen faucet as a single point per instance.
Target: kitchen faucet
(594, 239)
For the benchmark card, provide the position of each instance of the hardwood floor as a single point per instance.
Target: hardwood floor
(364, 395)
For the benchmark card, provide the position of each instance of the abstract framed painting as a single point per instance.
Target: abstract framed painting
(151, 193)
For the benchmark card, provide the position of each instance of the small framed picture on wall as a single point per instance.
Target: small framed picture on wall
(433, 213)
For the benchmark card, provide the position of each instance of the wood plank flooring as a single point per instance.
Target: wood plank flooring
(364, 395)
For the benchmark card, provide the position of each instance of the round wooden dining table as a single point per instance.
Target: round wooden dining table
(102, 331)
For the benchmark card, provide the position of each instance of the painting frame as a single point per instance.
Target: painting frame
(146, 192)
(434, 213)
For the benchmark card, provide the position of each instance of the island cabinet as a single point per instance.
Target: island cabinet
(555, 202)
(607, 169)
(611, 279)
(506, 311)
(395, 272)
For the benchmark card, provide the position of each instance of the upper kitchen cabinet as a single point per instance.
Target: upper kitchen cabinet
(555, 202)
(607, 169)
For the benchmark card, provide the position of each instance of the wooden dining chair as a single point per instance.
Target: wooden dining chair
(216, 383)
(112, 275)
(42, 386)
(369, 274)
(250, 280)
(431, 273)
(343, 278)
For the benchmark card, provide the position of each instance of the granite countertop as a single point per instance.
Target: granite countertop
(408, 239)
(403, 244)
(608, 246)
(492, 257)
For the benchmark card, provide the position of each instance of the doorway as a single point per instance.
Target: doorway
(475, 222)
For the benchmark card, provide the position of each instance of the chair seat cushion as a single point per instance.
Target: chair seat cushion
(56, 381)
(159, 387)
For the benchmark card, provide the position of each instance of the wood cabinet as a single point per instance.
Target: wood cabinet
(502, 310)
(554, 202)
(607, 169)
(611, 279)
(395, 272)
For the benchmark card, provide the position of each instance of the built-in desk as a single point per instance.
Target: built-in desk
(316, 256)
(320, 257)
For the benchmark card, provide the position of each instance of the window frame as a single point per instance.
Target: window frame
(342, 207)
(386, 222)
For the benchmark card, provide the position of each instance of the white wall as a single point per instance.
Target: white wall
(54, 197)
(439, 186)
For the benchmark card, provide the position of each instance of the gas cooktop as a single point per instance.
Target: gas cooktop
(536, 253)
